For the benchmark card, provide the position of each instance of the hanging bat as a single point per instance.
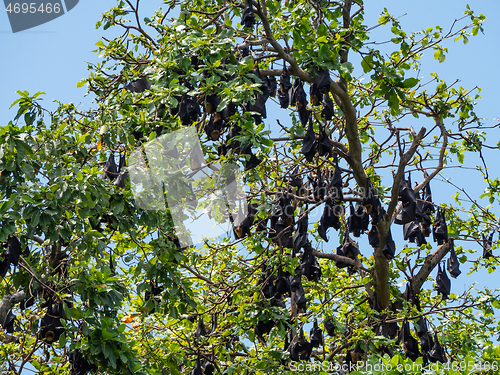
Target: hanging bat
(453, 263)
(437, 354)
(139, 85)
(408, 342)
(301, 349)
(316, 335)
(439, 229)
(248, 16)
(443, 283)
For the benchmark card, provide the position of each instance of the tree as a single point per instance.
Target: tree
(95, 276)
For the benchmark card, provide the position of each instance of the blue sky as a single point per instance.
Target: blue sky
(52, 58)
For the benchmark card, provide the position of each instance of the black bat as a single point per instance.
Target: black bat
(263, 328)
(248, 16)
(285, 86)
(110, 168)
(13, 250)
(139, 85)
(200, 329)
(412, 232)
(300, 294)
(371, 203)
(324, 144)
(316, 335)
(409, 200)
(389, 249)
(443, 283)
(336, 183)
(453, 263)
(309, 265)
(301, 349)
(329, 218)
(197, 370)
(329, 327)
(314, 94)
(358, 220)
(328, 110)
(300, 236)
(208, 368)
(282, 284)
(211, 103)
(437, 354)
(8, 322)
(296, 179)
(309, 142)
(50, 325)
(189, 110)
(253, 161)
(487, 246)
(155, 291)
(439, 229)
(422, 326)
(79, 364)
(408, 342)
(324, 81)
(272, 84)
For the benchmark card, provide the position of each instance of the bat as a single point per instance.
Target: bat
(409, 200)
(301, 349)
(324, 81)
(139, 85)
(349, 249)
(263, 328)
(371, 203)
(443, 283)
(329, 218)
(439, 229)
(324, 144)
(437, 354)
(208, 368)
(358, 220)
(336, 183)
(282, 284)
(318, 185)
(300, 236)
(422, 326)
(8, 322)
(298, 99)
(79, 364)
(272, 84)
(329, 327)
(189, 110)
(328, 110)
(389, 249)
(200, 329)
(453, 263)
(197, 370)
(213, 129)
(253, 161)
(314, 94)
(309, 265)
(487, 246)
(316, 335)
(412, 232)
(300, 294)
(155, 291)
(309, 143)
(284, 89)
(110, 168)
(408, 342)
(248, 16)
(13, 250)
(211, 103)
(296, 179)
(50, 324)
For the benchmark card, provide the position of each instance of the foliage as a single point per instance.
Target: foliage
(132, 296)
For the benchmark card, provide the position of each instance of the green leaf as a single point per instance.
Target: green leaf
(410, 82)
